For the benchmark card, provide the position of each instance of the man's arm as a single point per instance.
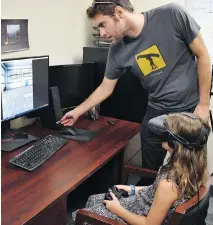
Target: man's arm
(189, 31)
(100, 94)
(198, 47)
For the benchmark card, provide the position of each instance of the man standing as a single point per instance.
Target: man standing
(164, 49)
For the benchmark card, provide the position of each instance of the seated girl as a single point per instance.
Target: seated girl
(176, 182)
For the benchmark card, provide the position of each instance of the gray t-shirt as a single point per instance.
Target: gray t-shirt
(161, 58)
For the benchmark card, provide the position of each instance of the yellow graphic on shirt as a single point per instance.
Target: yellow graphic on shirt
(150, 60)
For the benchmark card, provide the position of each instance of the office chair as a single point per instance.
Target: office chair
(183, 215)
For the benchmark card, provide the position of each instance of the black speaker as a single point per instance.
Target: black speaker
(52, 113)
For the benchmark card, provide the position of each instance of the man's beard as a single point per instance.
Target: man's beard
(116, 40)
(119, 37)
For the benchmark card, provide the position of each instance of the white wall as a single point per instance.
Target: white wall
(56, 27)
(144, 5)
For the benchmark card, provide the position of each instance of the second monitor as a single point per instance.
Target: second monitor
(75, 82)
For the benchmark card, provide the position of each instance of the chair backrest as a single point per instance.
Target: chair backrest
(188, 214)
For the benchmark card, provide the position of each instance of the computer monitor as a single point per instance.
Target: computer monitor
(24, 86)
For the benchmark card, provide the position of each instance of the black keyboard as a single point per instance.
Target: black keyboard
(39, 152)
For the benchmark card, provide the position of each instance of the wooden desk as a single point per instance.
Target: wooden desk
(39, 197)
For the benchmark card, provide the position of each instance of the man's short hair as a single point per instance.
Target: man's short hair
(107, 7)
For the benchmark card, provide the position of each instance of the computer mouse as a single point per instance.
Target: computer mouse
(69, 131)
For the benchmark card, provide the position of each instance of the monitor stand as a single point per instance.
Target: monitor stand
(12, 139)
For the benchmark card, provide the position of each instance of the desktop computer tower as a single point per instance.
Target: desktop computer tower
(50, 115)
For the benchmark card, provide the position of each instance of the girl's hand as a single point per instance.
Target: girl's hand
(113, 205)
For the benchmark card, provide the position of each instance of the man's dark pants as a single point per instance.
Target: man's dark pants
(152, 152)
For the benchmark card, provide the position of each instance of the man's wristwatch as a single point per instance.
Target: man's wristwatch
(132, 191)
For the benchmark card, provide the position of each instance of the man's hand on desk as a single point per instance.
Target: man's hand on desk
(70, 118)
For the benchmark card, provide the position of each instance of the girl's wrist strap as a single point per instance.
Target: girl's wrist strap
(132, 191)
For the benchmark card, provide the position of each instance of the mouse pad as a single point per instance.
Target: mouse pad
(82, 135)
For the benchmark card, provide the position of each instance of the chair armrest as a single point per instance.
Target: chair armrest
(193, 201)
(142, 171)
(92, 218)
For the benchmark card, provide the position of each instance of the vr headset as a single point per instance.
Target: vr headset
(159, 126)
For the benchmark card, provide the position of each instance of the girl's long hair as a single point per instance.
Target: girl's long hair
(184, 163)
